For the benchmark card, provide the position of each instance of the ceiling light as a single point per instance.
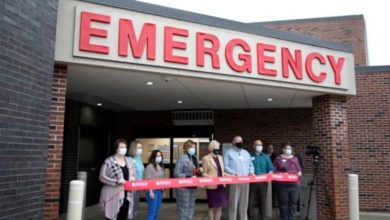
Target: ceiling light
(149, 83)
(179, 102)
(99, 104)
(270, 99)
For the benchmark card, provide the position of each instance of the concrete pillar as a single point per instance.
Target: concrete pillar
(331, 134)
(75, 201)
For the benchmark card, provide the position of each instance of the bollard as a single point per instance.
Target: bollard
(353, 196)
(268, 211)
(82, 175)
(75, 201)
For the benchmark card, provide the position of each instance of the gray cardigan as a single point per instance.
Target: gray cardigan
(112, 194)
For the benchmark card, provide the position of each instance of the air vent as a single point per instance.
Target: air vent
(193, 117)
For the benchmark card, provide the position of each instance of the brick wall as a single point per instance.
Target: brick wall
(54, 154)
(345, 29)
(27, 33)
(272, 126)
(369, 130)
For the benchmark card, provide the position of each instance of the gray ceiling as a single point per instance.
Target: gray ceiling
(124, 90)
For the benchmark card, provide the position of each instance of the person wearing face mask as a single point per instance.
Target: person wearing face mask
(116, 203)
(238, 162)
(154, 170)
(258, 191)
(135, 151)
(212, 165)
(287, 193)
(187, 166)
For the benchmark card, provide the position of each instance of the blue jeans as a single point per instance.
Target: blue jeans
(154, 204)
(287, 200)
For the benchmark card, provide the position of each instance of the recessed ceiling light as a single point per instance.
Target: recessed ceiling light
(149, 83)
(179, 102)
(270, 99)
(99, 104)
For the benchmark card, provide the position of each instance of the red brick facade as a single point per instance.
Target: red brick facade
(346, 29)
(369, 131)
(325, 125)
(54, 157)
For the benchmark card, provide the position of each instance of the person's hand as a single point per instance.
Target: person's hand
(194, 176)
(121, 181)
(151, 195)
(251, 174)
(299, 173)
(132, 179)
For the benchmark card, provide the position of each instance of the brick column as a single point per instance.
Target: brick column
(331, 134)
(54, 155)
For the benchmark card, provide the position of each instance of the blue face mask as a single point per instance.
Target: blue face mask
(158, 159)
(122, 151)
(191, 151)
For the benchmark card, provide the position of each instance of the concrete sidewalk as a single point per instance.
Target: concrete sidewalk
(168, 212)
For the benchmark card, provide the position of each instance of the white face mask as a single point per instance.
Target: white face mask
(191, 151)
(158, 159)
(139, 151)
(122, 151)
(288, 152)
(259, 148)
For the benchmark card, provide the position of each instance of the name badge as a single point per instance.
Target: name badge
(284, 161)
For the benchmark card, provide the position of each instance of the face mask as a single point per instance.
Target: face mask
(122, 151)
(288, 151)
(239, 144)
(216, 151)
(259, 148)
(139, 151)
(191, 151)
(158, 159)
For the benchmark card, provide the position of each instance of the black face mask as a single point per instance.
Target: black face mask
(216, 151)
(239, 145)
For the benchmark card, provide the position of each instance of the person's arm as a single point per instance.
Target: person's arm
(251, 167)
(270, 167)
(276, 165)
(148, 171)
(106, 179)
(226, 163)
(299, 169)
(205, 167)
(179, 168)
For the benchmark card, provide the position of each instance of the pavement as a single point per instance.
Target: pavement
(168, 212)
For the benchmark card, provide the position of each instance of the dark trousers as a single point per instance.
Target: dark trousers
(124, 211)
(287, 201)
(257, 197)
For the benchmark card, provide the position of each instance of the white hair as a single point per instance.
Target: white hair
(213, 145)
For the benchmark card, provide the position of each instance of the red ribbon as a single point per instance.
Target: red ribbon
(206, 181)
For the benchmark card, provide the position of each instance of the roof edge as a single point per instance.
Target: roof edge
(221, 23)
(306, 20)
(372, 69)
